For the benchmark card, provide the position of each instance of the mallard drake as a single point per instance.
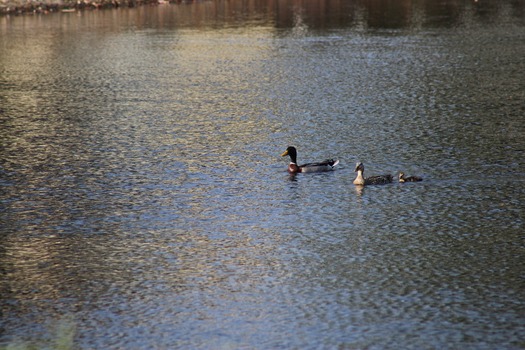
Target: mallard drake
(372, 180)
(293, 168)
(403, 178)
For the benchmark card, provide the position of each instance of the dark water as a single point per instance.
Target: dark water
(144, 202)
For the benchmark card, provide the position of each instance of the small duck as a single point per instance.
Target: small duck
(403, 178)
(293, 168)
(372, 180)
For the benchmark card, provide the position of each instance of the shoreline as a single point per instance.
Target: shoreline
(40, 7)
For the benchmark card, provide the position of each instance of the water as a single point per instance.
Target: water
(145, 204)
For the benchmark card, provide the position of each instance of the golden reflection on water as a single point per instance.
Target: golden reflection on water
(29, 262)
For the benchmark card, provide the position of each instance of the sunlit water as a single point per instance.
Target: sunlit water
(144, 201)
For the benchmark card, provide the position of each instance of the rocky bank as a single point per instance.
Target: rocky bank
(19, 7)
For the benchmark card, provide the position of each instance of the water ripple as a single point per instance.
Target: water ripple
(143, 192)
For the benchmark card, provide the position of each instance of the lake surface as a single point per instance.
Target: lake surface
(144, 203)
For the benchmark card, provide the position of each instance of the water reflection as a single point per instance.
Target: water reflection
(301, 15)
(143, 191)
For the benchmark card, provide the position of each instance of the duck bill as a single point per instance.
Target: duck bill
(285, 153)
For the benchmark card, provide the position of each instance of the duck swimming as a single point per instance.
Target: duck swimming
(403, 178)
(372, 180)
(293, 168)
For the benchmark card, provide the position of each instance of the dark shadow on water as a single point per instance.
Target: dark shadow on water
(378, 14)
(301, 17)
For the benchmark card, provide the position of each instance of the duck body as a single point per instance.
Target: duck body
(403, 178)
(360, 180)
(293, 168)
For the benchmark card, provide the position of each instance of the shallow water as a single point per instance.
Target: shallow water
(145, 204)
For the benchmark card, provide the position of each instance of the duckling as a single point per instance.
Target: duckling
(403, 178)
(372, 180)
(293, 168)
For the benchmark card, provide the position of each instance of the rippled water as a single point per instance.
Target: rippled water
(144, 202)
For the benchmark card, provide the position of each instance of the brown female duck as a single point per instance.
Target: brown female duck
(360, 180)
